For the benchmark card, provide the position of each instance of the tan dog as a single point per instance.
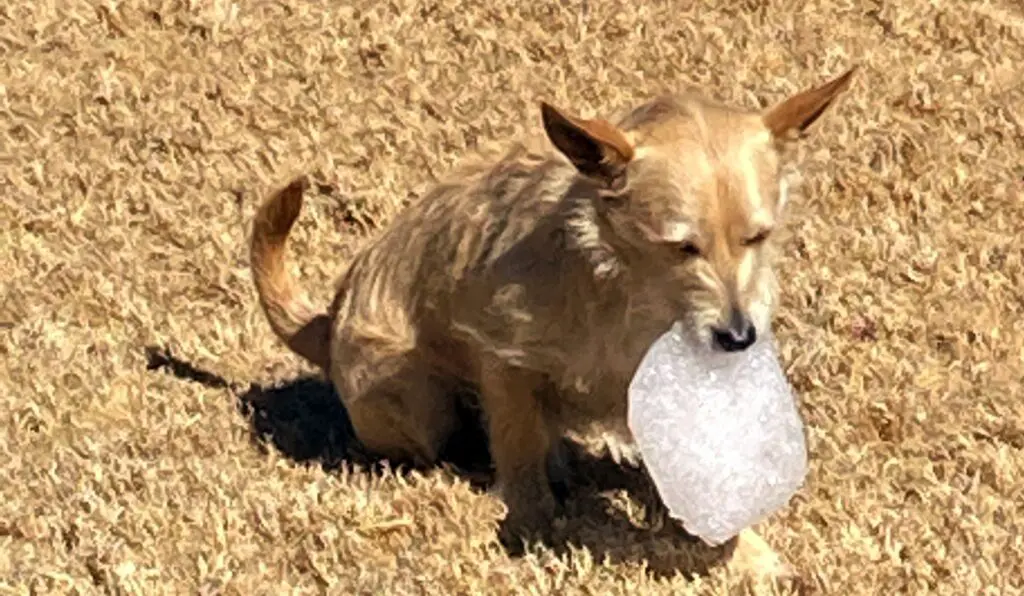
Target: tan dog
(541, 277)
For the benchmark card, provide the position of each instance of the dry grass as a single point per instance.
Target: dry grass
(138, 137)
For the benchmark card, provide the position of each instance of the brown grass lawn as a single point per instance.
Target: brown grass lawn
(138, 137)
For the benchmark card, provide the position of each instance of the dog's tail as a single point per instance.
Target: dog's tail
(303, 328)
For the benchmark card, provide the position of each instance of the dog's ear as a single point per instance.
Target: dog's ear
(800, 111)
(596, 147)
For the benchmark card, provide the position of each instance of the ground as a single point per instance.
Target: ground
(138, 137)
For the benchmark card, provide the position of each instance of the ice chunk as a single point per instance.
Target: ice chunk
(719, 432)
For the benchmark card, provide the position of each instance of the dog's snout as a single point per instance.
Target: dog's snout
(738, 335)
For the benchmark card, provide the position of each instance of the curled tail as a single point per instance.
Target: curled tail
(303, 328)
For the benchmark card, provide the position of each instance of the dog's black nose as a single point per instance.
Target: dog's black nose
(739, 335)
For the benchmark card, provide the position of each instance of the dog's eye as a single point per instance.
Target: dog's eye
(757, 238)
(689, 249)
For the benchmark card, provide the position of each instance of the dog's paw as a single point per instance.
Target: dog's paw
(753, 557)
(531, 517)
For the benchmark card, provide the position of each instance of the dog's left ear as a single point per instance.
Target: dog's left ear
(597, 148)
(800, 111)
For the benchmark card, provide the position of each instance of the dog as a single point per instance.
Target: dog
(540, 275)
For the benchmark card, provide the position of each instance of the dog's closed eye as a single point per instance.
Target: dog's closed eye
(757, 238)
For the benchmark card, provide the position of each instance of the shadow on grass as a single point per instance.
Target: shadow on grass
(305, 421)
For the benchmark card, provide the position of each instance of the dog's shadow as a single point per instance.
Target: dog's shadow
(611, 509)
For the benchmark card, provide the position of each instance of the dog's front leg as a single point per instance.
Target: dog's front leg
(520, 443)
(751, 554)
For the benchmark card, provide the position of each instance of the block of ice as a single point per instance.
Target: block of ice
(718, 432)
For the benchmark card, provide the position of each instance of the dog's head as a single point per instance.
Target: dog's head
(688, 194)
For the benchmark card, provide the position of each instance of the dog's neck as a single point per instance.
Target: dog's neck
(612, 293)
(587, 234)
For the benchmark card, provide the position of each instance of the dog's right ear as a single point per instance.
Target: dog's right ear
(596, 147)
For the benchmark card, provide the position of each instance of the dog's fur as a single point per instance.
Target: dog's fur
(540, 278)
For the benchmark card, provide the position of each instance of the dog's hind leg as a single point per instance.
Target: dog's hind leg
(403, 427)
(398, 409)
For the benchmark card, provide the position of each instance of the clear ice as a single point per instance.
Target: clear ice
(719, 432)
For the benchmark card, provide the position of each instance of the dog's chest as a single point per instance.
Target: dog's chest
(595, 381)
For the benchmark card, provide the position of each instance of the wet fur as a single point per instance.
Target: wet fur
(540, 276)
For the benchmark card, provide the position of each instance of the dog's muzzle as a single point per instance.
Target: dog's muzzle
(738, 335)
